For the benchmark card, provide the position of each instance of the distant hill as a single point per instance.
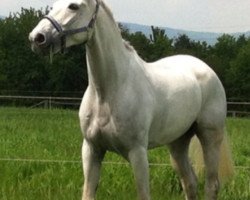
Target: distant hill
(209, 37)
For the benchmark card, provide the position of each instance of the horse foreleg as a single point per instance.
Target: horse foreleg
(139, 162)
(91, 167)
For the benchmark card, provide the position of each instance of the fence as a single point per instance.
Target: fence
(42, 101)
(238, 167)
(238, 109)
(235, 109)
(51, 102)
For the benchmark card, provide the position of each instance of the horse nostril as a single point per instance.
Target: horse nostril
(40, 39)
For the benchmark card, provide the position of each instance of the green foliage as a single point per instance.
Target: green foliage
(238, 78)
(141, 43)
(21, 70)
(55, 135)
(150, 49)
(161, 45)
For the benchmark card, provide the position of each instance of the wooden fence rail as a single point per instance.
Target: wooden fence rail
(49, 102)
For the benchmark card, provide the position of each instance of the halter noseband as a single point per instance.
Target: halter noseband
(64, 33)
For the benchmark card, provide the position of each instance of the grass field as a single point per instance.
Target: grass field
(41, 135)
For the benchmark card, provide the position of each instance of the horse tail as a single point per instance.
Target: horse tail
(226, 166)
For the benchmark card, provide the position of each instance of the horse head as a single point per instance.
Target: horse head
(68, 23)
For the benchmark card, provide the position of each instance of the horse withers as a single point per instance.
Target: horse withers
(131, 106)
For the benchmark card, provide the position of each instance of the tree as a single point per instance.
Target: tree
(226, 47)
(161, 45)
(221, 55)
(183, 45)
(141, 44)
(68, 72)
(22, 70)
(238, 75)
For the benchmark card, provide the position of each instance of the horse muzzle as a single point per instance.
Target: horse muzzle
(41, 42)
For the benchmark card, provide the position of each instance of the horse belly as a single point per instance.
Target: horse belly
(170, 130)
(175, 115)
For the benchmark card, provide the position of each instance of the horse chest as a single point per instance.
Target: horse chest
(101, 131)
(95, 126)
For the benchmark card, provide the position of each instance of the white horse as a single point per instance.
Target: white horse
(131, 106)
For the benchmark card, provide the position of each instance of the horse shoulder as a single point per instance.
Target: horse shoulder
(87, 110)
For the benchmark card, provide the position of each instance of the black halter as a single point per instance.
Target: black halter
(64, 33)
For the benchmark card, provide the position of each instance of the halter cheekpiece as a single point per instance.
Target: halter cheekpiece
(64, 33)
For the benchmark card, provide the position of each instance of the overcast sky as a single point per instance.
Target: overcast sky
(198, 15)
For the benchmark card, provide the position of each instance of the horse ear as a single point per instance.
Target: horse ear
(85, 1)
(89, 1)
(81, 2)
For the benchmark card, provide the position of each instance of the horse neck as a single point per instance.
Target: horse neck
(107, 57)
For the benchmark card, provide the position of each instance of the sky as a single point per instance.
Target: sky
(225, 16)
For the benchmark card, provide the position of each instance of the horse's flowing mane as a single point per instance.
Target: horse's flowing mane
(108, 11)
(111, 16)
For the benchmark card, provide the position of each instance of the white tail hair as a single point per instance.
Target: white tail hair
(226, 166)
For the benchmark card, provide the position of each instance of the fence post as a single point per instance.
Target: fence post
(234, 114)
(50, 103)
(46, 104)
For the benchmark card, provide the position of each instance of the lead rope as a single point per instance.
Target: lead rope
(51, 54)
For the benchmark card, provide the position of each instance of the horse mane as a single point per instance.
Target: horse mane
(128, 45)
(111, 16)
(108, 11)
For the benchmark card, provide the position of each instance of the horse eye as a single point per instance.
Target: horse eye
(73, 6)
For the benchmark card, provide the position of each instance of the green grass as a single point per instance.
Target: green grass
(39, 134)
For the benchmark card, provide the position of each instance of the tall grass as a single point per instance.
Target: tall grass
(39, 134)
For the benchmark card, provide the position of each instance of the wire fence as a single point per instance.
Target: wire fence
(104, 162)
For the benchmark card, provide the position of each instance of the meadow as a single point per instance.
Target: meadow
(40, 159)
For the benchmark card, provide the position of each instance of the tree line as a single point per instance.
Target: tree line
(22, 71)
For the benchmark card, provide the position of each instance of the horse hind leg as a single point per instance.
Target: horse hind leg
(180, 161)
(211, 139)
